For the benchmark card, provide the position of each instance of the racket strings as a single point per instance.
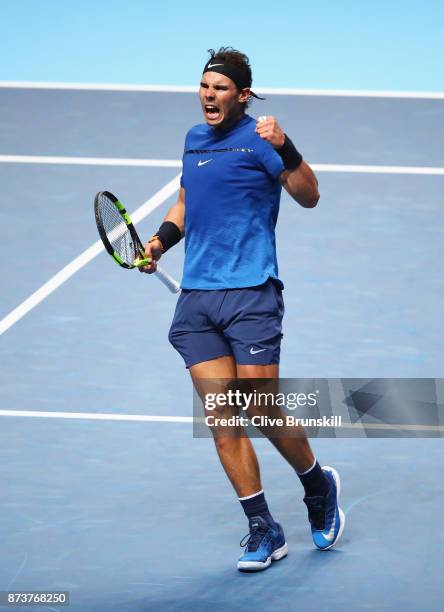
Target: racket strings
(116, 230)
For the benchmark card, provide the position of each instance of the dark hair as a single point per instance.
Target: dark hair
(234, 57)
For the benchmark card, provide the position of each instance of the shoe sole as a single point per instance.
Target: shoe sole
(257, 566)
(335, 475)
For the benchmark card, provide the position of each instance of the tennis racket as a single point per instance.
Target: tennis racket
(120, 238)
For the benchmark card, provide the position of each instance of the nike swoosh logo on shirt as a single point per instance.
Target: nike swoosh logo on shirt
(202, 163)
(253, 352)
(212, 65)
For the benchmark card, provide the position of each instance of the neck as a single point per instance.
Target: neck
(231, 121)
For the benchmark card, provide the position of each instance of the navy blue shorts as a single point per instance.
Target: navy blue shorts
(245, 323)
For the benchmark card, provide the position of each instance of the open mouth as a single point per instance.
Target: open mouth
(211, 111)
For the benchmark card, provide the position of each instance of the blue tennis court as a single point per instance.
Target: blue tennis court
(105, 492)
(90, 497)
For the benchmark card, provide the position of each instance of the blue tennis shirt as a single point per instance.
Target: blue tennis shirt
(232, 195)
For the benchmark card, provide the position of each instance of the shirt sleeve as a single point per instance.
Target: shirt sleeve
(268, 158)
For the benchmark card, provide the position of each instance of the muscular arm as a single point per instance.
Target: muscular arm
(302, 185)
(301, 182)
(176, 213)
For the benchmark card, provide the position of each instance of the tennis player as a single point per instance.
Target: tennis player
(228, 319)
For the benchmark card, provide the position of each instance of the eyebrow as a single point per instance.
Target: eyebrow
(203, 84)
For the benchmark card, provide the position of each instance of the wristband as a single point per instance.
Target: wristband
(168, 234)
(290, 155)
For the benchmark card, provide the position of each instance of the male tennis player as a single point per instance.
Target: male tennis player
(228, 319)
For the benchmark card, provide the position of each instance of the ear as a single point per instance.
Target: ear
(244, 94)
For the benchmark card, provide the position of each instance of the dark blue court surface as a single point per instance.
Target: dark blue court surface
(138, 516)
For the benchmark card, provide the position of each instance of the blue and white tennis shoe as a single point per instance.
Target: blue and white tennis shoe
(265, 543)
(326, 517)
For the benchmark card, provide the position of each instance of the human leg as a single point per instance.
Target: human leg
(294, 447)
(265, 541)
(321, 485)
(235, 451)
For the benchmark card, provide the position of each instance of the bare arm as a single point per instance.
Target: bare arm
(153, 249)
(302, 185)
(301, 182)
(176, 214)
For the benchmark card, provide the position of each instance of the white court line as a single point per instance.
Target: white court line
(79, 262)
(142, 418)
(177, 163)
(277, 91)
(378, 169)
(96, 416)
(90, 161)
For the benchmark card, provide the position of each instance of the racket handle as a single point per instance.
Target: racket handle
(142, 262)
(167, 280)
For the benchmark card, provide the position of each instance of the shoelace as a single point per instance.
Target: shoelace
(254, 538)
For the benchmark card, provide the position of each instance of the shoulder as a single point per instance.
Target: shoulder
(247, 127)
(197, 131)
(264, 152)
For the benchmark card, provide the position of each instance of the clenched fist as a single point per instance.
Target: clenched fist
(269, 129)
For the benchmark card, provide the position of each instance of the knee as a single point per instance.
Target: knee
(226, 444)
